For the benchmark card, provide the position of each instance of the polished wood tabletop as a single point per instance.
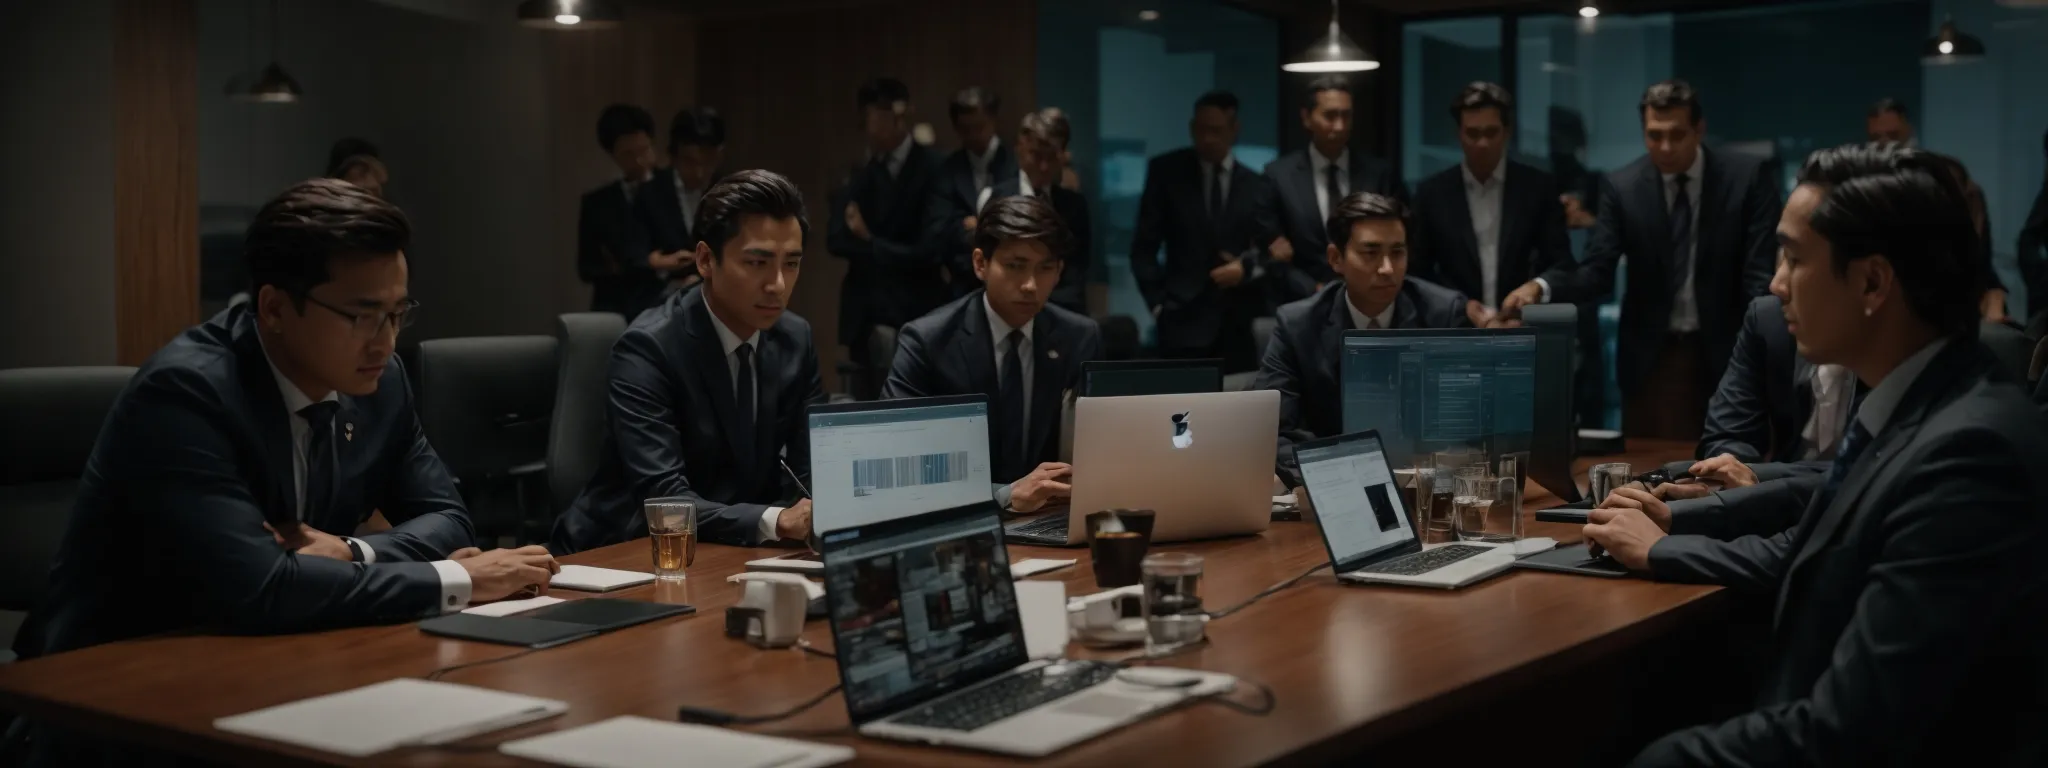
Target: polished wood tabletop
(1350, 666)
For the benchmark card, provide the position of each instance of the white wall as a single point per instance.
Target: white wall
(57, 184)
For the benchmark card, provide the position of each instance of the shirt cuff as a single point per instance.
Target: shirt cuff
(769, 518)
(1545, 285)
(1002, 493)
(369, 555)
(455, 587)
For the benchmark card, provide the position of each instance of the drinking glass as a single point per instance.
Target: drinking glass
(1478, 508)
(1172, 601)
(672, 535)
(1604, 478)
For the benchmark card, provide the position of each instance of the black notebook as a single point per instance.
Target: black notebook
(563, 622)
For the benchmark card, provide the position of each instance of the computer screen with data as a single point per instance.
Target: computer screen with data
(1352, 486)
(878, 464)
(1427, 391)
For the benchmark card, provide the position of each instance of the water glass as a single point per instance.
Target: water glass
(1480, 508)
(1172, 601)
(671, 535)
(1604, 478)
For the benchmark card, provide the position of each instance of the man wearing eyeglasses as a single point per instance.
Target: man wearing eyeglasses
(231, 475)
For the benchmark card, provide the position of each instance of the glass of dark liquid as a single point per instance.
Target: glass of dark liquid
(672, 534)
(1117, 540)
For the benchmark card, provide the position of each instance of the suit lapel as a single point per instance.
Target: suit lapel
(1048, 369)
(714, 374)
(963, 180)
(975, 351)
(1331, 343)
(1713, 183)
(768, 367)
(1310, 217)
(1650, 194)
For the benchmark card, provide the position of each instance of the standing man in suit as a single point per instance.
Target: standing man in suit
(878, 225)
(1490, 224)
(1887, 121)
(1697, 226)
(696, 147)
(1308, 183)
(1041, 153)
(1372, 290)
(708, 390)
(1007, 342)
(981, 161)
(1909, 600)
(614, 252)
(1211, 213)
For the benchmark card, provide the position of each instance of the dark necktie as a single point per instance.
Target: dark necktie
(1336, 192)
(1010, 400)
(743, 401)
(1845, 459)
(320, 463)
(1216, 193)
(1681, 234)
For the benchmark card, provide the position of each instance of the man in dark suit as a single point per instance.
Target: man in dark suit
(1307, 184)
(696, 146)
(615, 253)
(1007, 342)
(878, 224)
(1212, 214)
(1909, 602)
(1041, 154)
(1490, 224)
(233, 472)
(982, 160)
(1372, 290)
(708, 390)
(1697, 226)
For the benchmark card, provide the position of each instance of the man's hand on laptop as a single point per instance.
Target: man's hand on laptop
(1726, 469)
(794, 524)
(1623, 534)
(1051, 481)
(502, 573)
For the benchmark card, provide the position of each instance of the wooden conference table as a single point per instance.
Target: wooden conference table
(1354, 669)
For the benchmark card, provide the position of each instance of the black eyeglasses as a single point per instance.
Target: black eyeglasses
(366, 325)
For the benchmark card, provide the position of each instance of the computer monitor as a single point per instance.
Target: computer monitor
(1556, 441)
(1434, 390)
(878, 461)
(1121, 378)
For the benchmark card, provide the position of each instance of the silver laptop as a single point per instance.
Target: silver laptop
(930, 644)
(1203, 462)
(1366, 527)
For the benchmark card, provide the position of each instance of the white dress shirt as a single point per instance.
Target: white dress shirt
(1320, 165)
(455, 584)
(1834, 389)
(1884, 398)
(1685, 308)
(898, 156)
(1484, 199)
(1360, 321)
(690, 198)
(999, 334)
(731, 342)
(1024, 187)
(1209, 178)
(983, 179)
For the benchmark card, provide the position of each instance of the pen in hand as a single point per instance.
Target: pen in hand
(793, 478)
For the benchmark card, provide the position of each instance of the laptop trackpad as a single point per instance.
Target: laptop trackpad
(1104, 705)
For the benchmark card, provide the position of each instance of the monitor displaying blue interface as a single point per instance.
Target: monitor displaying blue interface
(1436, 390)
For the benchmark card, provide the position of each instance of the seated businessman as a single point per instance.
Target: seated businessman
(708, 389)
(232, 473)
(1909, 598)
(1007, 342)
(1369, 255)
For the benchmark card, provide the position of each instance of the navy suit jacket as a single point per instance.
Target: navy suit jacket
(1735, 252)
(669, 427)
(194, 459)
(893, 276)
(952, 200)
(661, 213)
(1443, 249)
(1301, 220)
(1766, 394)
(1301, 359)
(1173, 213)
(949, 352)
(1912, 606)
(612, 243)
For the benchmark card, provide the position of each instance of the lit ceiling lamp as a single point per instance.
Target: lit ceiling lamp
(570, 14)
(1333, 53)
(273, 85)
(1589, 9)
(1950, 45)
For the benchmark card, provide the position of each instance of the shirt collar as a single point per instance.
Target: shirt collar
(1024, 184)
(1358, 316)
(1883, 400)
(1318, 162)
(998, 329)
(1692, 175)
(729, 340)
(1494, 178)
(981, 160)
(901, 152)
(1229, 164)
(294, 399)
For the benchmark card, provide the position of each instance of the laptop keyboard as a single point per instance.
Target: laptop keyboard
(1425, 561)
(976, 707)
(1049, 527)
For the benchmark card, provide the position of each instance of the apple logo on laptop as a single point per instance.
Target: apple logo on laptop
(1183, 430)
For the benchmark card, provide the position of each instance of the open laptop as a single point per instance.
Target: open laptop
(1203, 462)
(1366, 527)
(930, 644)
(1129, 378)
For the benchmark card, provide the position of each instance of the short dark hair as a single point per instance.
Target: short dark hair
(1888, 104)
(1019, 217)
(1483, 95)
(1672, 94)
(1048, 125)
(1218, 99)
(882, 92)
(621, 120)
(1362, 206)
(345, 148)
(971, 99)
(356, 162)
(292, 239)
(1320, 83)
(766, 193)
(1907, 204)
(696, 127)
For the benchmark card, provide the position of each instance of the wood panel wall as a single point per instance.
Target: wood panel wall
(156, 174)
(786, 83)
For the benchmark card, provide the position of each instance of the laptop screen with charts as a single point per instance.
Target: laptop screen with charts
(1356, 501)
(1431, 390)
(878, 461)
(920, 606)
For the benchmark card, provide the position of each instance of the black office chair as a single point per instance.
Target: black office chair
(862, 380)
(1241, 381)
(1119, 337)
(582, 387)
(1262, 333)
(2011, 346)
(485, 404)
(49, 420)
